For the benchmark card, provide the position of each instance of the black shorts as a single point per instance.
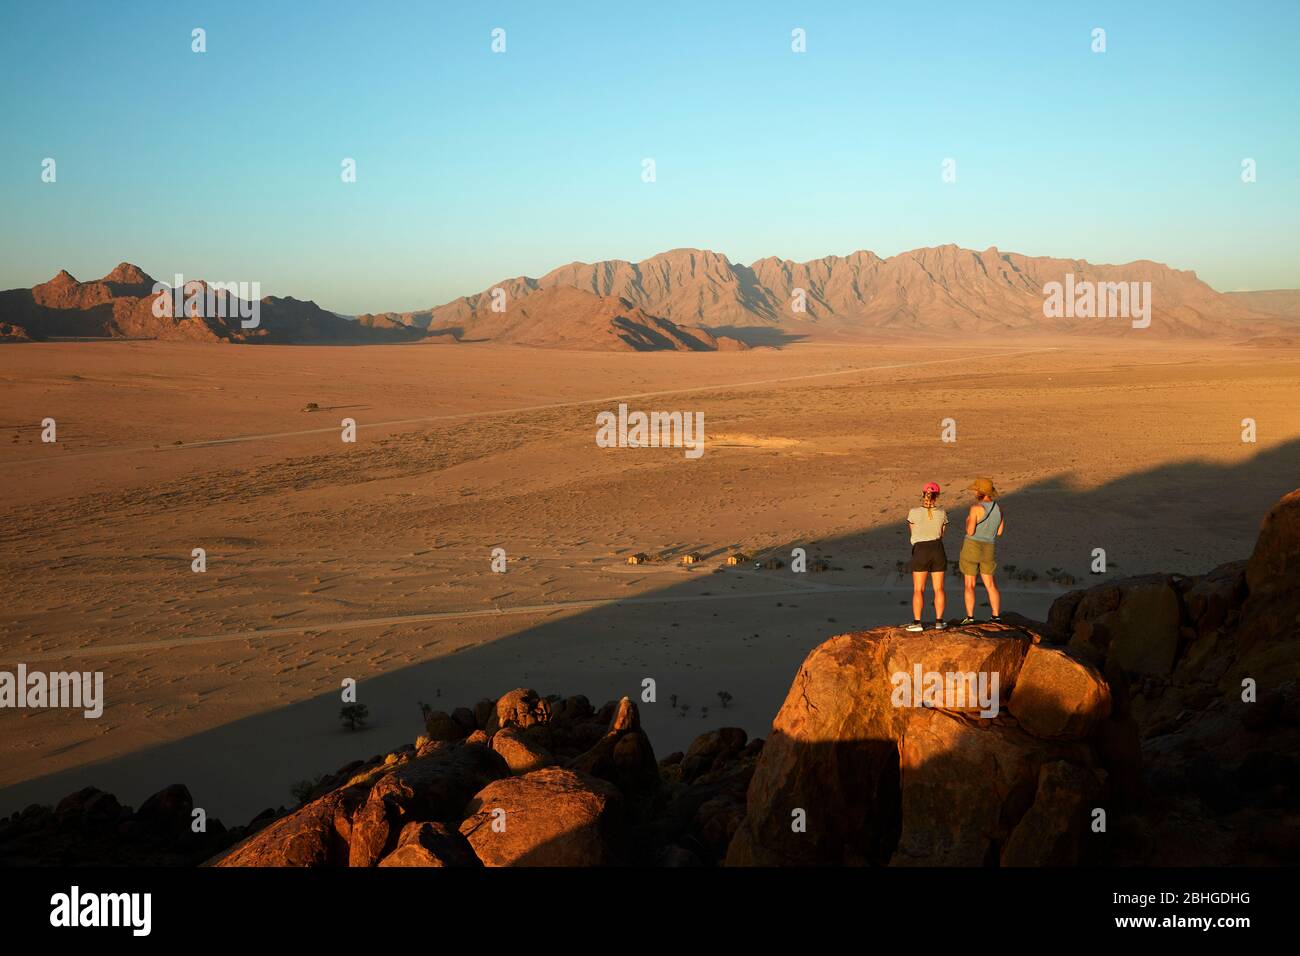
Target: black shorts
(929, 556)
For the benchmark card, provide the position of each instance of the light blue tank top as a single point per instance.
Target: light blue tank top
(986, 529)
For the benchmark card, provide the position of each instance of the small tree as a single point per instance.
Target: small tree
(302, 790)
(354, 715)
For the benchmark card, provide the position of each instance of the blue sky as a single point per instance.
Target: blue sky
(474, 166)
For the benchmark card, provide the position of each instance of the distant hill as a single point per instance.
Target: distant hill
(121, 305)
(1281, 302)
(693, 300)
(946, 288)
(568, 318)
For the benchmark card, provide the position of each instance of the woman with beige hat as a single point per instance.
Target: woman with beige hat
(984, 525)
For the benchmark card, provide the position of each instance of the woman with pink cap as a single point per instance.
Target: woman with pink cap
(927, 524)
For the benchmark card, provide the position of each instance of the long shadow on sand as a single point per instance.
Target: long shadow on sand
(239, 768)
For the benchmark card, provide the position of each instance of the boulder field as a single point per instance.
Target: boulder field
(1149, 721)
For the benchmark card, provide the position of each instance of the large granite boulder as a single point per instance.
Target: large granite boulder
(550, 817)
(432, 787)
(521, 707)
(431, 844)
(898, 748)
(520, 754)
(314, 835)
(1058, 696)
(623, 756)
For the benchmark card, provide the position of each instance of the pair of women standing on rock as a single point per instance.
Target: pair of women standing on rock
(984, 524)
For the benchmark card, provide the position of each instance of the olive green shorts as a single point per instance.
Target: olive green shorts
(976, 558)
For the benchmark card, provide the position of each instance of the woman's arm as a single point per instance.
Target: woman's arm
(971, 519)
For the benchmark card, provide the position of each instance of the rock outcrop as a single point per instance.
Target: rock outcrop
(480, 798)
(1206, 669)
(90, 827)
(863, 766)
(431, 844)
(549, 817)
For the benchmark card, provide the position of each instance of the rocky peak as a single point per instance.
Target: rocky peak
(126, 273)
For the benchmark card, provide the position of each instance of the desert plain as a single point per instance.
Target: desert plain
(373, 560)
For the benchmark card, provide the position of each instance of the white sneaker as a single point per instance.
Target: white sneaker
(916, 626)
(940, 625)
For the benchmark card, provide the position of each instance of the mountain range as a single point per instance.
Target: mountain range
(692, 300)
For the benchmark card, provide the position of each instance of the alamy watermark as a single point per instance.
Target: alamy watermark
(651, 430)
(1085, 299)
(948, 690)
(209, 300)
(79, 690)
(76, 908)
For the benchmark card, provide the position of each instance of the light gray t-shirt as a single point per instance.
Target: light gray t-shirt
(927, 527)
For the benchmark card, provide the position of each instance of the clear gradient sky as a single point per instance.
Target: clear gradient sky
(474, 166)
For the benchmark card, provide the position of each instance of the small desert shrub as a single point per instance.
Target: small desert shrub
(354, 715)
(304, 789)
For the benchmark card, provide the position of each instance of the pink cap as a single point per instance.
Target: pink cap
(930, 486)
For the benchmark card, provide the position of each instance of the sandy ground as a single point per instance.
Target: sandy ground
(372, 560)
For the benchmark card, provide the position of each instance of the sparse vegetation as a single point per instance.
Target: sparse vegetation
(354, 715)
(304, 790)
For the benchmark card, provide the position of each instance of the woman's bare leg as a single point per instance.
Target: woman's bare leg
(918, 594)
(970, 595)
(995, 597)
(940, 598)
